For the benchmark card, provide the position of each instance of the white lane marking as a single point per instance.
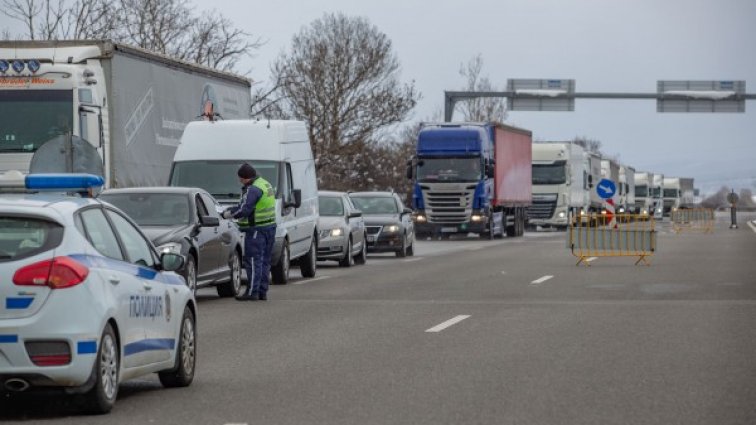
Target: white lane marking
(752, 226)
(446, 324)
(409, 260)
(541, 280)
(474, 248)
(589, 259)
(311, 280)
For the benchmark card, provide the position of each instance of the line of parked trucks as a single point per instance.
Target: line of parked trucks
(135, 108)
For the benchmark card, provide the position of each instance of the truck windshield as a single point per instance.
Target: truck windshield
(30, 118)
(219, 177)
(670, 193)
(656, 192)
(641, 191)
(550, 173)
(449, 169)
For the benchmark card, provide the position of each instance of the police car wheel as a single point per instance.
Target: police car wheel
(101, 398)
(183, 374)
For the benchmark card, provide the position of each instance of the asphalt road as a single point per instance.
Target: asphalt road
(474, 332)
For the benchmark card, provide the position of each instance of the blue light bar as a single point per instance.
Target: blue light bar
(4, 66)
(60, 181)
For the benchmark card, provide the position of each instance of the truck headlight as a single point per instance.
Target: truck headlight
(561, 214)
(391, 228)
(476, 217)
(420, 218)
(170, 248)
(621, 210)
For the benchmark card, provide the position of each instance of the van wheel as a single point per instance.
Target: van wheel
(281, 270)
(101, 398)
(186, 354)
(308, 264)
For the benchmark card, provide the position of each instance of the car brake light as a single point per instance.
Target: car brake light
(60, 272)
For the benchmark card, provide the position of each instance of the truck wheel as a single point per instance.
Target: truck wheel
(308, 264)
(490, 233)
(101, 398)
(186, 355)
(512, 230)
(281, 270)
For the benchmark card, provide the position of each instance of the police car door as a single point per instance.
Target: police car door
(151, 308)
(121, 285)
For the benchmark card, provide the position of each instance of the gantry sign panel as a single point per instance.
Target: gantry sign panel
(541, 95)
(700, 96)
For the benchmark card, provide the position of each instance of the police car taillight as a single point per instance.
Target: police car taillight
(60, 272)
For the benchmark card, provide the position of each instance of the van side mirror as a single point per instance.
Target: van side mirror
(409, 169)
(590, 181)
(297, 194)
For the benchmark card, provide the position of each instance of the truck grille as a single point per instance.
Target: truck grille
(541, 209)
(453, 206)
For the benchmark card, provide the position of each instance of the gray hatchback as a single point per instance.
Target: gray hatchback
(342, 230)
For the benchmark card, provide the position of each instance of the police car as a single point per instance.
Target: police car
(85, 300)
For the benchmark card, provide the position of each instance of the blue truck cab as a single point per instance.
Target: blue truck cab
(453, 169)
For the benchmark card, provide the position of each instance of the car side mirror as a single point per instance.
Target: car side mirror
(171, 262)
(297, 194)
(355, 214)
(209, 221)
(407, 211)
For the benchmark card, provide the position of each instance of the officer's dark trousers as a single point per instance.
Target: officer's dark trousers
(258, 248)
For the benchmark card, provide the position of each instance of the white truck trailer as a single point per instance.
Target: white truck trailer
(593, 168)
(130, 104)
(671, 195)
(687, 193)
(560, 184)
(610, 170)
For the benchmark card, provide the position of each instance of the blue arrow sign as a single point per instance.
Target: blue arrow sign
(606, 189)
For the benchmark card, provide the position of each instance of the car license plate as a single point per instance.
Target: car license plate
(371, 238)
(448, 229)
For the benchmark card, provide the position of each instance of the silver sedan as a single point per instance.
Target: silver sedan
(342, 230)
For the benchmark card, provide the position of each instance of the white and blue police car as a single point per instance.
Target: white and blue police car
(85, 300)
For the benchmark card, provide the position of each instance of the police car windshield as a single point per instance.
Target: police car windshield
(219, 177)
(152, 209)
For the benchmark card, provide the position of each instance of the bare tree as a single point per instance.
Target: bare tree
(171, 27)
(591, 145)
(342, 77)
(480, 109)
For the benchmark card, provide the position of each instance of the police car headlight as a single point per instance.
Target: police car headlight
(391, 228)
(171, 248)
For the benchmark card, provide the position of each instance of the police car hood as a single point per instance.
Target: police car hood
(163, 234)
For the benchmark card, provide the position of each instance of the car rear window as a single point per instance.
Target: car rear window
(22, 237)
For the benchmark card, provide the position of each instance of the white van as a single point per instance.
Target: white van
(210, 154)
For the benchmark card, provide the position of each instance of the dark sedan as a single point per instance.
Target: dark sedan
(186, 221)
(387, 221)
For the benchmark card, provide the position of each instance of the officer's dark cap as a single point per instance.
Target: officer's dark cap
(246, 171)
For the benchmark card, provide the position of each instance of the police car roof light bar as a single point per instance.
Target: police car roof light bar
(50, 181)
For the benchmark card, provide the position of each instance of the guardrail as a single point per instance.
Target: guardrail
(692, 220)
(591, 235)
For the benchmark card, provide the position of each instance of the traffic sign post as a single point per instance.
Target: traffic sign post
(606, 190)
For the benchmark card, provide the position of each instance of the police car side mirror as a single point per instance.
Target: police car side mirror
(171, 262)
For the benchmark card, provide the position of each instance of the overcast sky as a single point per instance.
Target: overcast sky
(605, 45)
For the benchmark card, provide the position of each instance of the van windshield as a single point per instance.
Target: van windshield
(219, 177)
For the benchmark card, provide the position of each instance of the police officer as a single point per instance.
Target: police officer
(256, 216)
